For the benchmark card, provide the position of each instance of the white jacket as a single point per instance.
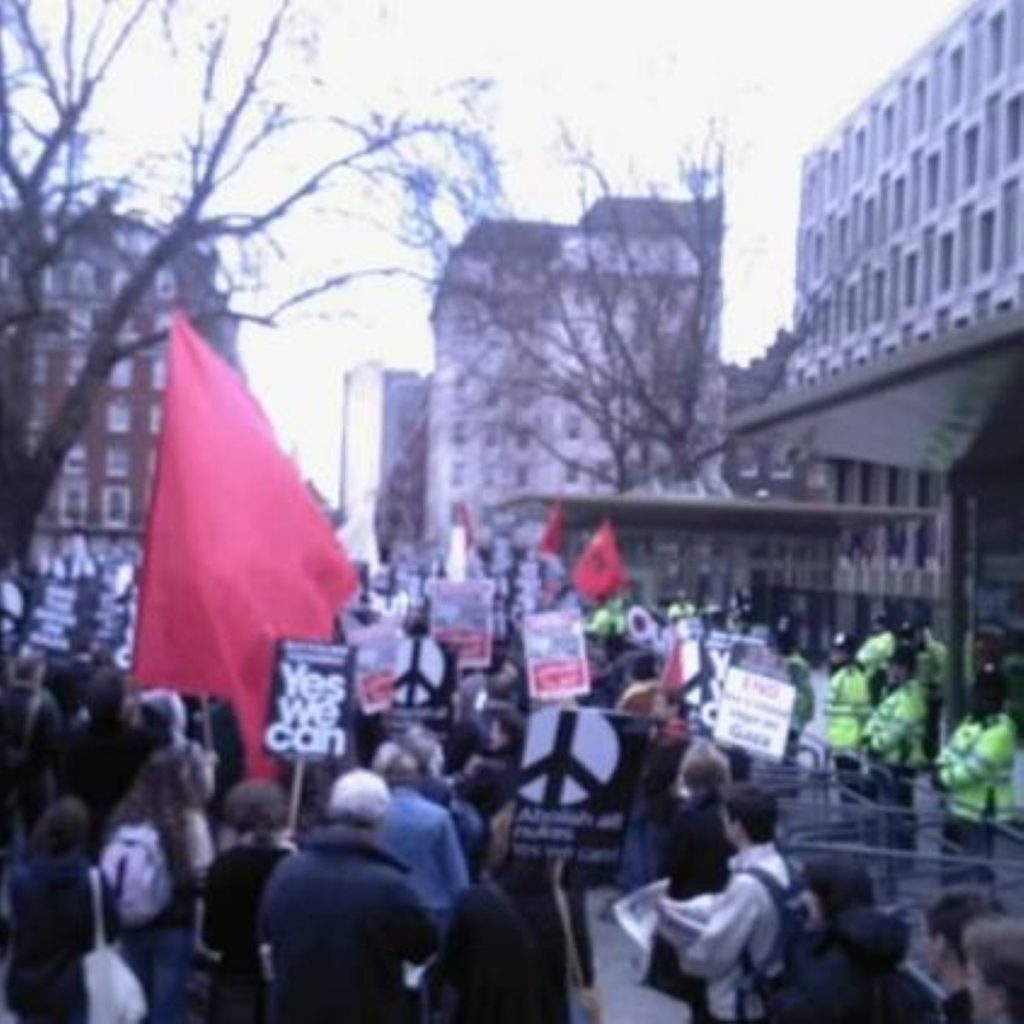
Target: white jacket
(742, 919)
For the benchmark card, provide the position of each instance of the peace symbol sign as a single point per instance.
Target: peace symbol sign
(421, 672)
(569, 757)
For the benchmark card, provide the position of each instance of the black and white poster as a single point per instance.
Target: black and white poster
(424, 686)
(59, 619)
(579, 772)
(703, 694)
(311, 701)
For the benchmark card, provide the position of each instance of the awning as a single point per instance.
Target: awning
(924, 407)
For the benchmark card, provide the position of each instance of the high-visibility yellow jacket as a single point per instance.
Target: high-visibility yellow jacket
(876, 652)
(609, 619)
(931, 666)
(848, 708)
(976, 768)
(895, 731)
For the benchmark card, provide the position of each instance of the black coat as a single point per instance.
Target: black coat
(492, 964)
(52, 917)
(341, 918)
(832, 974)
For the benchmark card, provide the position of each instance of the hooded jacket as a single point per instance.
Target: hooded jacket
(832, 974)
(341, 918)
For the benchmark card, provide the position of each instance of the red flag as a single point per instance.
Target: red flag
(464, 518)
(600, 571)
(554, 531)
(238, 555)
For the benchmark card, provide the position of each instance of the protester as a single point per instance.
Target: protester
(51, 904)
(738, 930)
(422, 835)
(104, 753)
(30, 728)
(157, 853)
(165, 717)
(696, 862)
(947, 920)
(846, 969)
(340, 918)
(995, 967)
(256, 814)
(489, 780)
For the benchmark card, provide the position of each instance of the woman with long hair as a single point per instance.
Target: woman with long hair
(157, 852)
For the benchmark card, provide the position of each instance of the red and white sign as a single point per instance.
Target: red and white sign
(755, 712)
(556, 656)
(462, 617)
(377, 650)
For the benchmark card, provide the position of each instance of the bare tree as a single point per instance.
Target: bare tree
(251, 161)
(612, 325)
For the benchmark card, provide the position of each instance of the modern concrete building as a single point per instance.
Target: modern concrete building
(384, 450)
(553, 342)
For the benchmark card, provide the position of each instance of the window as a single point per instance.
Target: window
(165, 284)
(40, 368)
(916, 184)
(996, 44)
(860, 149)
(972, 148)
(869, 224)
(946, 246)
(119, 416)
(81, 322)
(782, 463)
(458, 474)
(522, 438)
(117, 506)
(851, 309)
(572, 473)
(975, 55)
(936, 109)
(158, 373)
(895, 265)
(73, 367)
(155, 418)
(458, 432)
(488, 477)
(118, 461)
(927, 265)
(844, 227)
(910, 280)
(956, 77)
(966, 244)
(833, 174)
(920, 105)
(991, 137)
(1010, 220)
(888, 131)
(74, 503)
(75, 461)
(986, 242)
(83, 279)
(934, 166)
(878, 305)
(1013, 127)
(899, 203)
(121, 377)
(952, 138)
(522, 476)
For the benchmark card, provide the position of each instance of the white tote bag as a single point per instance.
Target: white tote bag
(113, 993)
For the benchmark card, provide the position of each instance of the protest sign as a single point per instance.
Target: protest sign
(556, 656)
(310, 702)
(755, 710)
(719, 650)
(58, 620)
(462, 617)
(375, 665)
(424, 686)
(579, 772)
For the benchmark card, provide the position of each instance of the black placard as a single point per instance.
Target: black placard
(311, 703)
(424, 686)
(579, 772)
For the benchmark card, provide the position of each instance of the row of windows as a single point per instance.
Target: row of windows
(982, 242)
(115, 505)
(118, 415)
(122, 376)
(955, 72)
(117, 461)
(491, 476)
(88, 279)
(493, 434)
(930, 182)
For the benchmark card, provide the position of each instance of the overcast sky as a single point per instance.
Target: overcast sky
(638, 82)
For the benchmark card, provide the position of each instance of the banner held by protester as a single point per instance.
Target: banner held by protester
(556, 656)
(462, 617)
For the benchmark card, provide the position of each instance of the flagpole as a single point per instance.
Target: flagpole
(295, 800)
(207, 722)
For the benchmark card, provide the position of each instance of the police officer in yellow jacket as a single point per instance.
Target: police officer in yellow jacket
(894, 737)
(875, 654)
(848, 707)
(975, 768)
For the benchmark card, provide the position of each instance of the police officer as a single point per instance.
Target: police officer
(875, 654)
(799, 675)
(975, 769)
(932, 659)
(894, 738)
(849, 705)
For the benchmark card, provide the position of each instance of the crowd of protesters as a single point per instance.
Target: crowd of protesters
(393, 896)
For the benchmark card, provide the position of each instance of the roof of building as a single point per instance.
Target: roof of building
(715, 515)
(648, 215)
(524, 237)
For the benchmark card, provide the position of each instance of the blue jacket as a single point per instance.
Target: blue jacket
(422, 836)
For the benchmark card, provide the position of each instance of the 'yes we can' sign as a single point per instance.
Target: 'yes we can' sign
(310, 702)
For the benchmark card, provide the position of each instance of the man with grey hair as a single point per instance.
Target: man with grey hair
(339, 918)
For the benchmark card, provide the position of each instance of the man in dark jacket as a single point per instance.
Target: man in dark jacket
(340, 919)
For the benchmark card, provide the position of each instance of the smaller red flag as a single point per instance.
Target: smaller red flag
(600, 571)
(554, 531)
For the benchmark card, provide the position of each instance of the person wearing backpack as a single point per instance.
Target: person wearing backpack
(157, 852)
(848, 966)
(736, 939)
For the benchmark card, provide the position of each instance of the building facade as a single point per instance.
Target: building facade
(566, 356)
(104, 484)
(384, 450)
